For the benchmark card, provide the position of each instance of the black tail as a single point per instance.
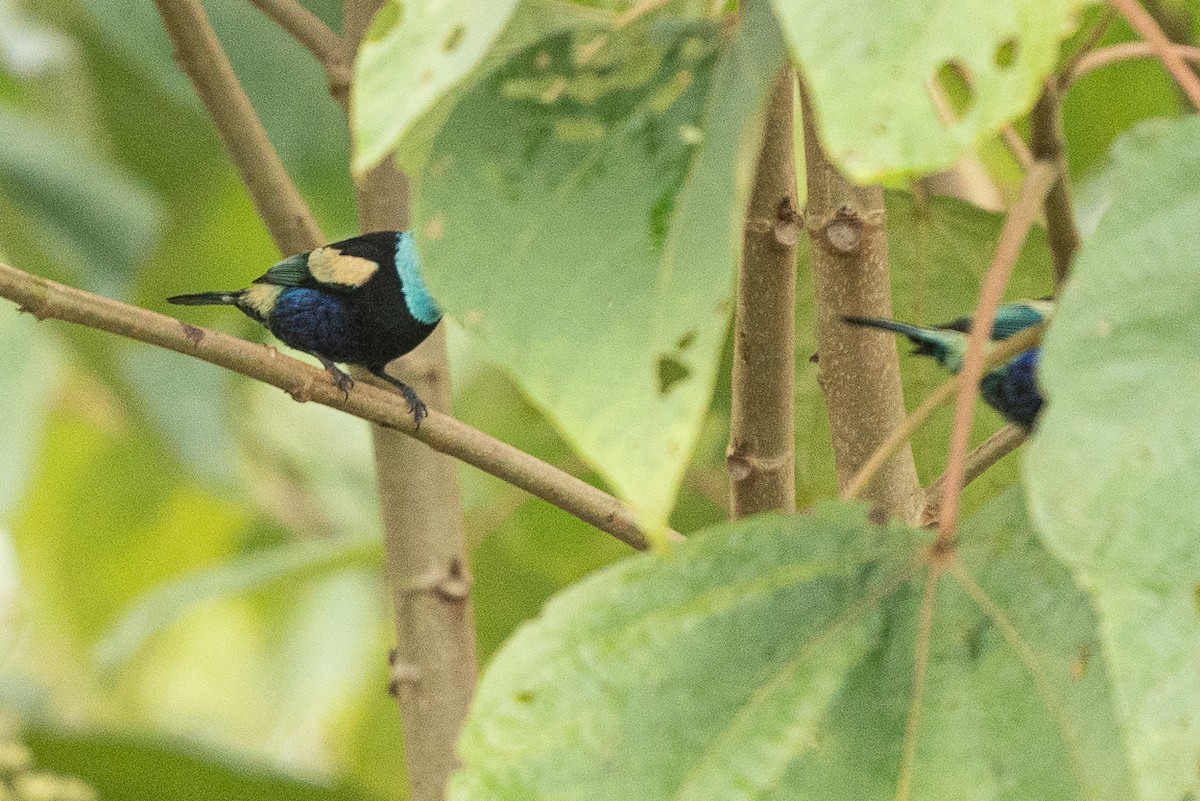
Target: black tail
(206, 299)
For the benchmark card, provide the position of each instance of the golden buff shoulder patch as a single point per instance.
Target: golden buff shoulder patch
(261, 298)
(330, 266)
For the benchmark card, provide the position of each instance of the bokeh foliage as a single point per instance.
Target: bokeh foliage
(189, 570)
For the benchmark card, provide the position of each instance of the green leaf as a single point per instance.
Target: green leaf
(384, 119)
(774, 659)
(268, 567)
(580, 215)
(94, 208)
(413, 54)
(124, 768)
(1112, 470)
(870, 67)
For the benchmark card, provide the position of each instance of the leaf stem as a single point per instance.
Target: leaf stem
(1145, 25)
(326, 46)
(986, 454)
(1021, 217)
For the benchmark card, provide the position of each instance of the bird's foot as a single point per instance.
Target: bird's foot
(416, 406)
(340, 378)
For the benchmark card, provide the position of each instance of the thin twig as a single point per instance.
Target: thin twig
(1010, 347)
(1020, 218)
(275, 197)
(1146, 27)
(1071, 63)
(1046, 143)
(1016, 147)
(48, 299)
(1125, 51)
(762, 434)
(983, 456)
(318, 38)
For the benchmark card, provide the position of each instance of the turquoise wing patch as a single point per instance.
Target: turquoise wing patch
(292, 271)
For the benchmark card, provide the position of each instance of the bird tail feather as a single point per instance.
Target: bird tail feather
(206, 299)
(943, 346)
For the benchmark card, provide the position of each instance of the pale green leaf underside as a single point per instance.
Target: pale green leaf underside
(1113, 469)
(414, 53)
(580, 215)
(870, 66)
(167, 603)
(773, 659)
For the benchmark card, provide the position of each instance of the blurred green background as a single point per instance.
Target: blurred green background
(189, 561)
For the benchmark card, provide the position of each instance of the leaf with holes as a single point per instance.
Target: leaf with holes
(909, 87)
(1112, 471)
(580, 214)
(774, 659)
(388, 116)
(412, 55)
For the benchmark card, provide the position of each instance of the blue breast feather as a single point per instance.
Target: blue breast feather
(1012, 390)
(316, 322)
(416, 295)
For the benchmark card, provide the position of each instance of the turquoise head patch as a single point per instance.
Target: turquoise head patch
(421, 304)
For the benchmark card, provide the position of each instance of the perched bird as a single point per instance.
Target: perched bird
(359, 301)
(1011, 388)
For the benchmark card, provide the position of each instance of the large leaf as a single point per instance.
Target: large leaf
(1112, 471)
(871, 68)
(414, 53)
(580, 215)
(774, 659)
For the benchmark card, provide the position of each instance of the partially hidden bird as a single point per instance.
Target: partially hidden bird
(1011, 388)
(361, 301)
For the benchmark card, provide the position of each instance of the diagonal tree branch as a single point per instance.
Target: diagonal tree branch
(762, 450)
(1141, 21)
(988, 452)
(1124, 51)
(274, 195)
(327, 47)
(47, 299)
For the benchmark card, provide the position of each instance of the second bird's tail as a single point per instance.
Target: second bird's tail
(944, 346)
(206, 299)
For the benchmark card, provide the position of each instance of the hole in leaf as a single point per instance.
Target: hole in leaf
(388, 18)
(670, 372)
(454, 38)
(952, 78)
(1006, 53)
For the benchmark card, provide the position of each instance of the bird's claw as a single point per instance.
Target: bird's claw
(341, 379)
(416, 406)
